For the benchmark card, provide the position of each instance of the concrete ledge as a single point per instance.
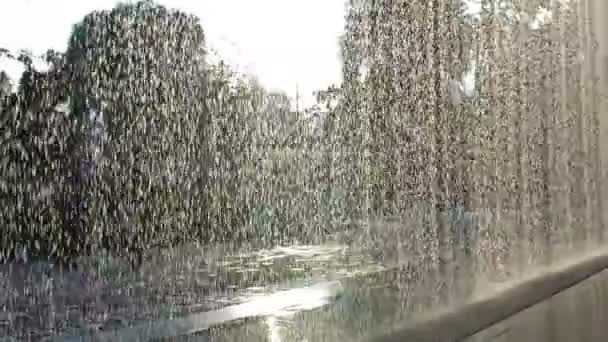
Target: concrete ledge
(500, 303)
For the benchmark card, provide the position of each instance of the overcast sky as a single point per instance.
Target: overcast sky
(283, 42)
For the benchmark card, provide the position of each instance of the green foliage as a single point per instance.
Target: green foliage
(397, 130)
(5, 85)
(196, 151)
(187, 150)
(265, 164)
(141, 65)
(36, 149)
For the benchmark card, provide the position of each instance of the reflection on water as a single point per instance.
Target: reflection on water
(276, 304)
(273, 329)
(103, 294)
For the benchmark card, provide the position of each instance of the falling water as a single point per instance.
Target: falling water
(143, 184)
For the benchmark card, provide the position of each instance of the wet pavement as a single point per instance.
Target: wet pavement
(347, 287)
(38, 301)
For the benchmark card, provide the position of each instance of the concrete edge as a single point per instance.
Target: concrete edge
(466, 320)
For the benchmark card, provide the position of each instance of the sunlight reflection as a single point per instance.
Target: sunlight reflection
(273, 329)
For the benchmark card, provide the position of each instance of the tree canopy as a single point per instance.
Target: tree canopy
(399, 58)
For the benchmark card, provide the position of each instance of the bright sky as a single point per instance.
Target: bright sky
(284, 42)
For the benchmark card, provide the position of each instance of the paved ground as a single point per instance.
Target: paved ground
(578, 314)
(388, 272)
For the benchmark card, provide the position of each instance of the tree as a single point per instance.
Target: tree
(398, 58)
(37, 142)
(142, 66)
(6, 86)
(537, 100)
